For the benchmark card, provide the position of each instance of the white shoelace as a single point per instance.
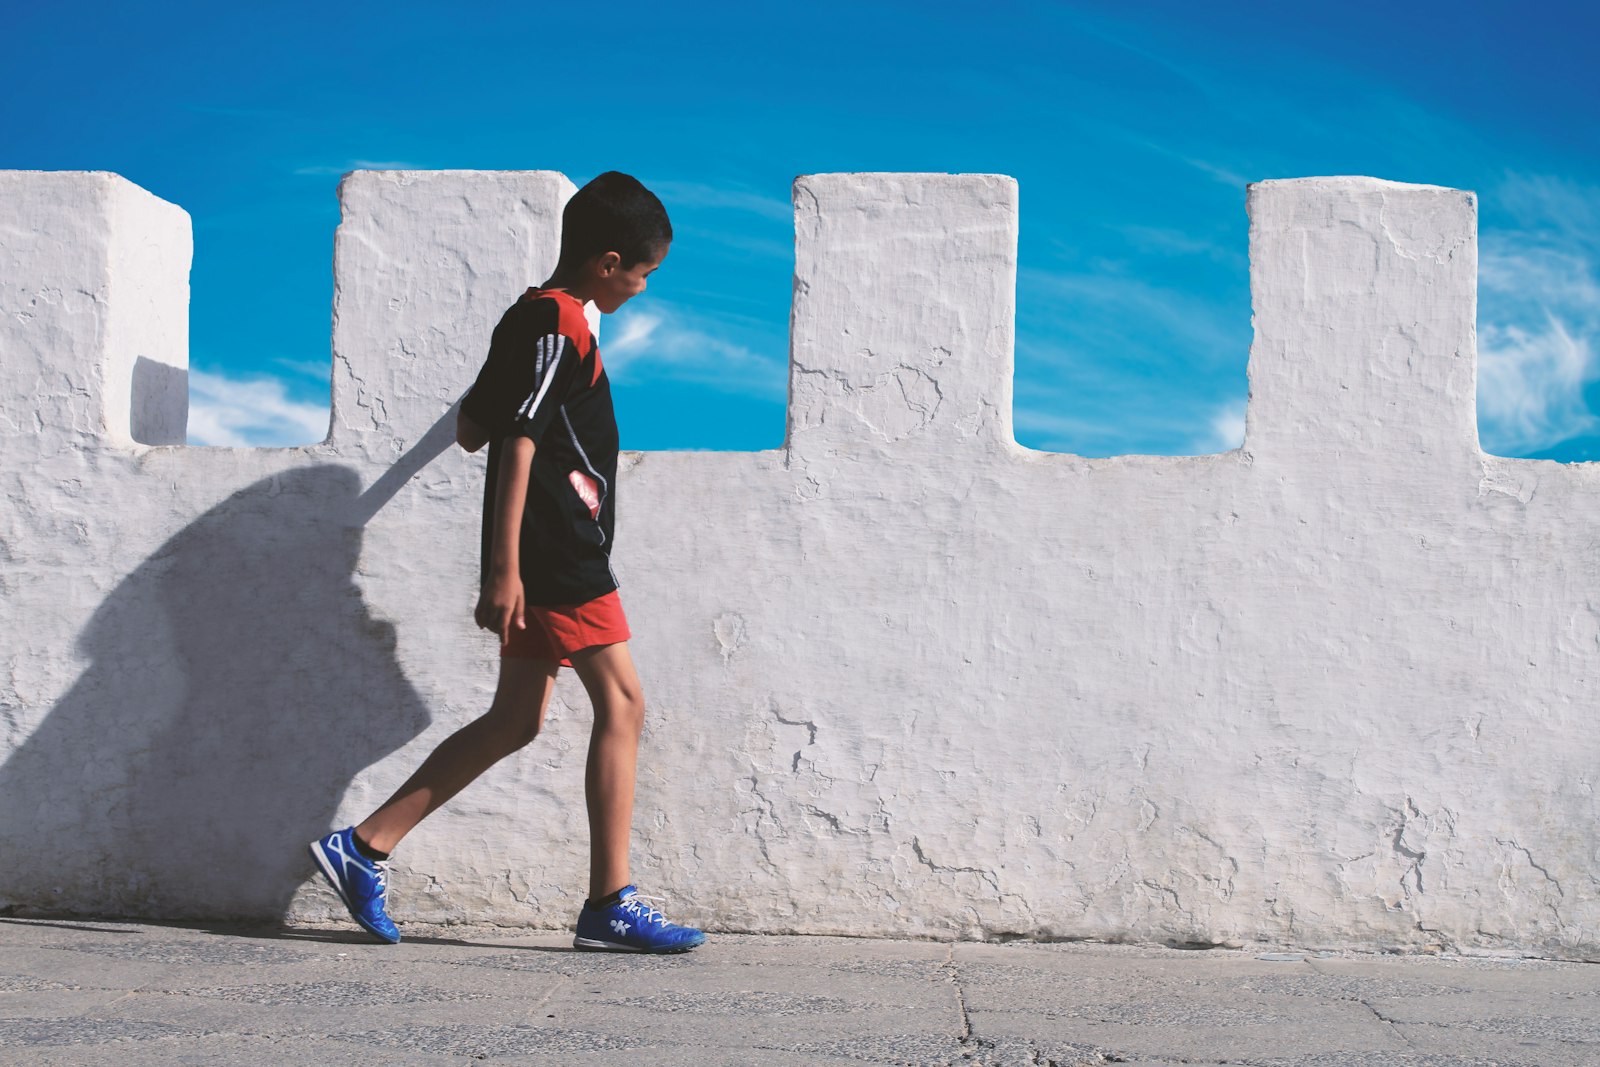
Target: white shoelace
(636, 904)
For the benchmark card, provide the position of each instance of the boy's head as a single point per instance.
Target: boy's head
(616, 231)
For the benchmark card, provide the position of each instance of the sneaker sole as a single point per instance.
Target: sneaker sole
(593, 945)
(325, 868)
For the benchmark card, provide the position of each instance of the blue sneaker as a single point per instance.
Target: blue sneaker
(631, 925)
(360, 882)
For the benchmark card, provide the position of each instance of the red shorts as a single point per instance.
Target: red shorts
(554, 633)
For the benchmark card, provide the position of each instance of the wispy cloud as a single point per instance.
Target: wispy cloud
(1110, 364)
(723, 197)
(1179, 428)
(359, 164)
(735, 216)
(1547, 200)
(1218, 172)
(1539, 315)
(1056, 431)
(250, 413)
(1530, 386)
(1226, 431)
(1167, 241)
(316, 369)
(663, 342)
(1132, 321)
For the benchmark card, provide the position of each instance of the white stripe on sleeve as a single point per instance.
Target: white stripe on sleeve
(549, 350)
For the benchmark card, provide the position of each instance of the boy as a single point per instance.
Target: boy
(542, 403)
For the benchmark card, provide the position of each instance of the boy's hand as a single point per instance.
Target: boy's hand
(500, 607)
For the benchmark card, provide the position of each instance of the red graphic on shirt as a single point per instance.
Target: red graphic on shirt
(587, 491)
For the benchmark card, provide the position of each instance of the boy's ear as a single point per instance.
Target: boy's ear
(607, 263)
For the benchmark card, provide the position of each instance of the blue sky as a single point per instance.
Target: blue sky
(1131, 127)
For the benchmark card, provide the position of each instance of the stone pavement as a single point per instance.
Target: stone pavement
(90, 992)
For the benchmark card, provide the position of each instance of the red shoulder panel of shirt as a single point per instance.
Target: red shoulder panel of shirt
(572, 323)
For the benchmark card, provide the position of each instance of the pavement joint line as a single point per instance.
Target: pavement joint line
(954, 978)
(971, 1042)
(1391, 1023)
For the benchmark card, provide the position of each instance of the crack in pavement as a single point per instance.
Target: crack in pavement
(954, 978)
(1393, 1024)
(979, 1051)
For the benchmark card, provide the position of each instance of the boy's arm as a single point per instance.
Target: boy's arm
(530, 367)
(500, 604)
(469, 435)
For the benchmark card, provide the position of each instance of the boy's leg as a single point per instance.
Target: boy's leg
(514, 718)
(607, 673)
(626, 923)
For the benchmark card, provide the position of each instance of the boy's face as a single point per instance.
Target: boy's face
(620, 284)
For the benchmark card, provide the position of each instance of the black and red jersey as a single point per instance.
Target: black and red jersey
(543, 380)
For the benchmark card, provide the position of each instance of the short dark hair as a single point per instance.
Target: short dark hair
(613, 213)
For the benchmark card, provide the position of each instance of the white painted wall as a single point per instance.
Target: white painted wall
(905, 676)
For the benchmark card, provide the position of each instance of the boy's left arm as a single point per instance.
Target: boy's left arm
(501, 600)
(469, 435)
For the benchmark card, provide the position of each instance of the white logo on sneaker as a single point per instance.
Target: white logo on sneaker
(619, 926)
(336, 846)
(375, 871)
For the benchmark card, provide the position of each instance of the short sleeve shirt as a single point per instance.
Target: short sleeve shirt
(543, 380)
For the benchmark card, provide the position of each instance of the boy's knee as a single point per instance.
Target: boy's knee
(516, 725)
(523, 733)
(625, 709)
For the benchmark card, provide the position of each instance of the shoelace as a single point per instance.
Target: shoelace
(636, 904)
(381, 870)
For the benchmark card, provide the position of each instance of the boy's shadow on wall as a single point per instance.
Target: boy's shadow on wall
(237, 683)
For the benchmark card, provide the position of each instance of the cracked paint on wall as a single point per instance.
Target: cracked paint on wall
(904, 676)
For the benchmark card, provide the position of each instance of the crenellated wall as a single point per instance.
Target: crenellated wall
(905, 676)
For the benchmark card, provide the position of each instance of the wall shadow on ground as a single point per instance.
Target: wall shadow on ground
(188, 752)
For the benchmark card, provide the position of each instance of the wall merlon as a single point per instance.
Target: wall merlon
(425, 263)
(1364, 295)
(94, 299)
(904, 307)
